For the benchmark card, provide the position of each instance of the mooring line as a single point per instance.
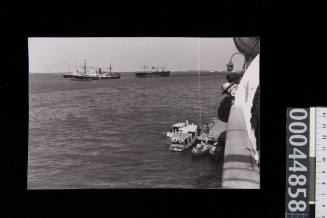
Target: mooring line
(199, 98)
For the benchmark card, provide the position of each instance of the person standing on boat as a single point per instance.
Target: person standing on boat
(198, 129)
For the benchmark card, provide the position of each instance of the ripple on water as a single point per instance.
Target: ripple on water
(111, 134)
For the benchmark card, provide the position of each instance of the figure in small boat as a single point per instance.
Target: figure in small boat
(200, 148)
(214, 150)
(202, 145)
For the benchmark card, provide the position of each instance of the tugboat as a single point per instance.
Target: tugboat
(153, 72)
(182, 140)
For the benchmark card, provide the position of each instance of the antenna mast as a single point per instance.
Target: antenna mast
(84, 66)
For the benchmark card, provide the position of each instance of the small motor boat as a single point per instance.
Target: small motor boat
(200, 148)
(181, 141)
(214, 150)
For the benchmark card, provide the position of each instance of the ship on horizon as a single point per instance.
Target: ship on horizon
(154, 71)
(86, 75)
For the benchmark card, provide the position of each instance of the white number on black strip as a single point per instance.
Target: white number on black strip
(297, 161)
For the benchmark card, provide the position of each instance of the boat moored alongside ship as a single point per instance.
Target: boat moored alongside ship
(181, 141)
(184, 139)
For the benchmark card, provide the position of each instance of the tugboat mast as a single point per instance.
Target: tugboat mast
(110, 68)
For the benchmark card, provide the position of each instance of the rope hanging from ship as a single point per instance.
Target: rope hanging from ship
(199, 103)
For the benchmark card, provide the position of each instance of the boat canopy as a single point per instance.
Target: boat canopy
(179, 125)
(203, 137)
(179, 136)
(189, 128)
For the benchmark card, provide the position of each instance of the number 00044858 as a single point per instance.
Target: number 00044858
(297, 155)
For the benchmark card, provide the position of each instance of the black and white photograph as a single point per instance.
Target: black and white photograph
(143, 113)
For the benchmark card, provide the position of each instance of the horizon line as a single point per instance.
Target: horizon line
(133, 71)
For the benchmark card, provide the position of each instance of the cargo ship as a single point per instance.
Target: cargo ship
(97, 75)
(153, 71)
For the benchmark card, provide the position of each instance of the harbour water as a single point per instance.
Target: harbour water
(111, 133)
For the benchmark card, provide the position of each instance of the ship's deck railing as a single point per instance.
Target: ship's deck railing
(240, 170)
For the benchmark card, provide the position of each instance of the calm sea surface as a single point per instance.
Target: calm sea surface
(111, 133)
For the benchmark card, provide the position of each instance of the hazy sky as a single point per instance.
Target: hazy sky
(128, 54)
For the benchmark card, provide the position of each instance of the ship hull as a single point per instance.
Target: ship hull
(152, 74)
(87, 78)
(107, 77)
(67, 76)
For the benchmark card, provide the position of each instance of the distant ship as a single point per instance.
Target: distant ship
(152, 72)
(97, 75)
